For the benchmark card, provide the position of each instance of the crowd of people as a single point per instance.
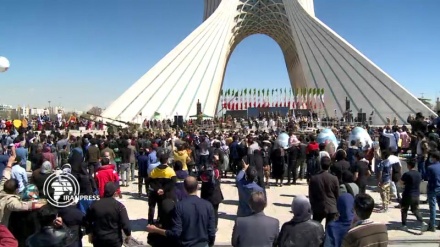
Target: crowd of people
(173, 165)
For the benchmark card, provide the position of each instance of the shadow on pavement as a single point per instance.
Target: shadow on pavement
(230, 202)
(413, 226)
(227, 182)
(285, 195)
(133, 195)
(282, 204)
(226, 216)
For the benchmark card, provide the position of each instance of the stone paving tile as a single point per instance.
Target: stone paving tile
(279, 201)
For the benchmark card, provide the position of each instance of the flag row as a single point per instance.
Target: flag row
(300, 98)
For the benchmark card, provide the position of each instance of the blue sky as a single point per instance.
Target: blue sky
(87, 52)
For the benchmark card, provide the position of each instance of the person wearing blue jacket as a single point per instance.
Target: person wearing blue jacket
(336, 230)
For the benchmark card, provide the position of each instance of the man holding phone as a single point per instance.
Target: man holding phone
(246, 185)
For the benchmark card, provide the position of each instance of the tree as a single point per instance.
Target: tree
(95, 111)
(427, 102)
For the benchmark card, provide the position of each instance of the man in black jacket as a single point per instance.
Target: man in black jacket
(323, 193)
(106, 219)
(48, 235)
(125, 162)
(292, 167)
(194, 218)
(256, 160)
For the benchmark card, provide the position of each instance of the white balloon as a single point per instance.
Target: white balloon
(361, 135)
(4, 64)
(328, 135)
(282, 141)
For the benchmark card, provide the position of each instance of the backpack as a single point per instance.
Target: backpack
(210, 173)
(384, 142)
(349, 189)
(396, 168)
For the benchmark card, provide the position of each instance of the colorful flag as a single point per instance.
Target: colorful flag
(314, 92)
(258, 98)
(236, 100)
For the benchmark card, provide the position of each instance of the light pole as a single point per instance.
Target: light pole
(49, 107)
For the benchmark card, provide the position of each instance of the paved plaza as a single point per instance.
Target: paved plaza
(279, 201)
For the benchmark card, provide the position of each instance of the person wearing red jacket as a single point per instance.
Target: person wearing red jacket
(6, 238)
(313, 166)
(104, 174)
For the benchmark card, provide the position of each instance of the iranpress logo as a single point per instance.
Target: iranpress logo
(62, 190)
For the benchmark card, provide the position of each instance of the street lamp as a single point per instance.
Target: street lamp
(49, 107)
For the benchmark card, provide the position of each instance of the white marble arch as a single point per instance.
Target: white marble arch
(315, 56)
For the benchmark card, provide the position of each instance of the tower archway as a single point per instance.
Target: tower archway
(315, 56)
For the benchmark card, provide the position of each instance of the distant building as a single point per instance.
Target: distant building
(37, 111)
(4, 108)
(23, 111)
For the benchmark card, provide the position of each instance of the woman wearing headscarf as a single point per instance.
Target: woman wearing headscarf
(210, 189)
(40, 175)
(301, 231)
(85, 186)
(181, 176)
(277, 159)
(336, 230)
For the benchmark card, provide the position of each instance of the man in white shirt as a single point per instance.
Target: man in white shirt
(396, 174)
(252, 146)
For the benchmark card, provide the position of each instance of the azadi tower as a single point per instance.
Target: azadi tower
(315, 56)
